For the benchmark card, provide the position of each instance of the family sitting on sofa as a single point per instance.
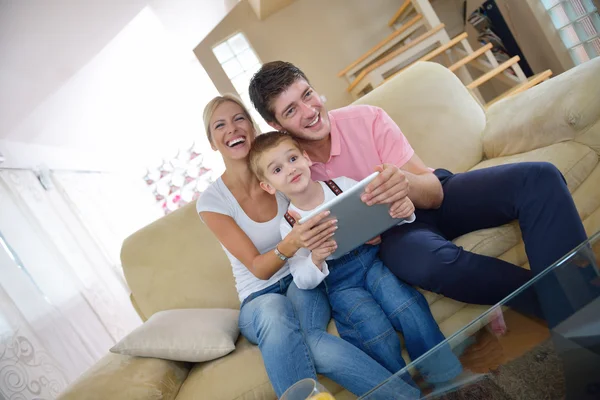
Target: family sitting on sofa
(373, 296)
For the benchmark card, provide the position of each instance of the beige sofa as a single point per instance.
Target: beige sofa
(176, 263)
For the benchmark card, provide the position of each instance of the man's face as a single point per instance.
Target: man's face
(300, 112)
(285, 168)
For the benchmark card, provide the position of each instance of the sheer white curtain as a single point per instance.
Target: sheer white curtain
(110, 205)
(63, 302)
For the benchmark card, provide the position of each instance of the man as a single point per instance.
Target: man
(351, 140)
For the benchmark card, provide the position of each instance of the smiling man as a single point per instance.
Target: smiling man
(354, 140)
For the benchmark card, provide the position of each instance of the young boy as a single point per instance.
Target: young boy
(363, 293)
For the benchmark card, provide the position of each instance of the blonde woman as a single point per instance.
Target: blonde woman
(288, 324)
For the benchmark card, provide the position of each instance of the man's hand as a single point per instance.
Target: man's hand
(388, 187)
(402, 208)
(320, 253)
(375, 241)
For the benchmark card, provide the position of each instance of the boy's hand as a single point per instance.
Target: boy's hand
(375, 241)
(402, 209)
(326, 249)
(388, 187)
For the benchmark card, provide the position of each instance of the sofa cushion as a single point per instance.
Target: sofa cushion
(574, 160)
(119, 377)
(192, 335)
(438, 115)
(563, 108)
(239, 376)
(230, 378)
(176, 262)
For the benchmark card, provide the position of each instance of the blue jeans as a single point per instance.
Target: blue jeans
(535, 194)
(289, 325)
(370, 304)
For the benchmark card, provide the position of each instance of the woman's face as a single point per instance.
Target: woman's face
(231, 131)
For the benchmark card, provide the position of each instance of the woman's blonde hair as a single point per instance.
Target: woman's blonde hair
(212, 105)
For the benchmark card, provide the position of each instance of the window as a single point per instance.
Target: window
(578, 24)
(239, 61)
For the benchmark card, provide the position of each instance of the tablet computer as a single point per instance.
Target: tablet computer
(357, 222)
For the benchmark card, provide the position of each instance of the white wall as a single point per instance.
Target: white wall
(138, 100)
(44, 43)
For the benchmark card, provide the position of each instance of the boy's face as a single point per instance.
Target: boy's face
(285, 168)
(300, 111)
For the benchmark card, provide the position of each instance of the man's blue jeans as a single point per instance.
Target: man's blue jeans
(370, 304)
(291, 334)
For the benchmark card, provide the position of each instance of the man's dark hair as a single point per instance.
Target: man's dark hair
(272, 79)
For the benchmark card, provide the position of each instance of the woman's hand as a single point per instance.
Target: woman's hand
(309, 235)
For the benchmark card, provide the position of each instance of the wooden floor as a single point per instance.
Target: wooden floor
(523, 334)
(490, 352)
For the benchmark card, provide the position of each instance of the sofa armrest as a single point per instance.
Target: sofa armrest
(119, 377)
(563, 108)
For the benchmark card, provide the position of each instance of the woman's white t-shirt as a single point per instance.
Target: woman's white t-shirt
(265, 235)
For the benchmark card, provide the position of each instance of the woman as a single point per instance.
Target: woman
(288, 324)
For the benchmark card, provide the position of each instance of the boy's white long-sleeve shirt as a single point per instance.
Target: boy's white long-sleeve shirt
(305, 273)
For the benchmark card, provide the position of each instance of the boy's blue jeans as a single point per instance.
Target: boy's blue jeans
(370, 304)
(290, 327)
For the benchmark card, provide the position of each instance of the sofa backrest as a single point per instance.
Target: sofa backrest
(436, 112)
(176, 262)
(566, 107)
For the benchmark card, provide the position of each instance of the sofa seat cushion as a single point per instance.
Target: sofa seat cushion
(119, 377)
(241, 375)
(574, 160)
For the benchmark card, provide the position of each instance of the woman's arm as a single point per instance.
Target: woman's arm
(306, 267)
(264, 266)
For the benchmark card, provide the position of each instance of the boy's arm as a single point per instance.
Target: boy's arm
(403, 173)
(307, 275)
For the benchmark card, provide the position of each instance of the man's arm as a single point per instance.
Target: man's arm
(425, 189)
(403, 173)
(393, 184)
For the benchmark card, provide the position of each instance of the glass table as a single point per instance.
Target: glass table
(549, 351)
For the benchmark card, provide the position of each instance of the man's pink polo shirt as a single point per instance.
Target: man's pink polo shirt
(362, 137)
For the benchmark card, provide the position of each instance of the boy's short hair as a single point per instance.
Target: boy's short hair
(265, 142)
(272, 79)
